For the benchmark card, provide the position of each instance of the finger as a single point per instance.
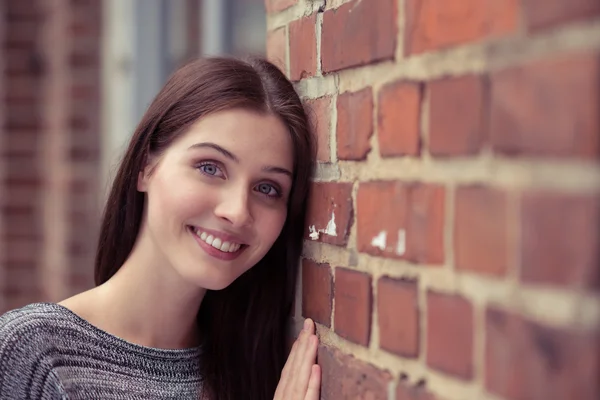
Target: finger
(302, 344)
(314, 383)
(304, 371)
(291, 365)
(285, 373)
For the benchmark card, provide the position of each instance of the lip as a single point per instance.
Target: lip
(221, 255)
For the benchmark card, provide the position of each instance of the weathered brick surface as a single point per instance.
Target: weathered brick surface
(438, 24)
(317, 292)
(330, 213)
(450, 334)
(398, 316)
(345, 377)
(460, 200)
(355, 124)
(353, 305)
(399, 119)
(483, 233)
(534, 113)
(546, 14)
(560, 239)
(320, 115)
(401, 220)
(525, 360)
(357, 33)
(303, 48)
(457, 116)
(382, 218)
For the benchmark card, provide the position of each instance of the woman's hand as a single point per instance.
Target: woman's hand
(301, 377)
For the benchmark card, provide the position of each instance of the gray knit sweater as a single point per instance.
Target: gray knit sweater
(48, 352)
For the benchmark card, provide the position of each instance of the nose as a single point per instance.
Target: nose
(234, 207)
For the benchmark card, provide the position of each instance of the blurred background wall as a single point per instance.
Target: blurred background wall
(75, 78)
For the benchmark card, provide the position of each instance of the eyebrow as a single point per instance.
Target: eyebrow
(232, 157)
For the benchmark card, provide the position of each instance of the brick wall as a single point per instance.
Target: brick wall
(49, 148)
(452, 245)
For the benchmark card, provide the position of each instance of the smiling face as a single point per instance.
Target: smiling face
(217, 197)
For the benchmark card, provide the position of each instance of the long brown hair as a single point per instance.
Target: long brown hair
(243, 326)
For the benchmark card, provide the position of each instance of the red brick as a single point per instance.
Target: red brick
(483, 237)
(450, 334)
(317, 292)
(320, 114)
(303, 48)
(525, 360)
(358, 33)
(354, 124)
(456, 116)
(345, 377)
(560, 239)
(398, 316)
(330, 213)
(543, 14)
(401, 221)
(382, 212)
(425, 233)
(548, 108)
(438, 24)
(277, 48)
(417, 392)
(273, 6)
(399, 119)
(353, 304)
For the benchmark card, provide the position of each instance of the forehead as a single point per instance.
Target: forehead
(251, 136)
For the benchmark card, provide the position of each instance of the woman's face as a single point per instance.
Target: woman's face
(217, 197)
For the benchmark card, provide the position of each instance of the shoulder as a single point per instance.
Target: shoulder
(27, 337)
(28, 331)
(29, 320)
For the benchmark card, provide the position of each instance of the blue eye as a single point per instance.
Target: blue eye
(210, 169)
(268, 190)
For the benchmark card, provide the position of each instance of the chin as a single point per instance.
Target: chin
(214, 279)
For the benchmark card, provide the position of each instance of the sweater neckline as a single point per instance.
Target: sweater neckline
(191, 352)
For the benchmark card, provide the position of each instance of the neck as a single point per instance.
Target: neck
(148, 303)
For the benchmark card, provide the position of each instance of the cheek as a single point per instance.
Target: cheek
(174, 203)
(271, 225)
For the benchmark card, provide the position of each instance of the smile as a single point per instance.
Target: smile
(216, 242)
(216, 246)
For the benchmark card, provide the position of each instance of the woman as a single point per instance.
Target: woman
(197, 257)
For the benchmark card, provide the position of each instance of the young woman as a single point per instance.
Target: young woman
(197, 257)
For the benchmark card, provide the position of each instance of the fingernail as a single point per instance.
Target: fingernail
(307, 324)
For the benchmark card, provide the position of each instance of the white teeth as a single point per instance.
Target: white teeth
(226, 247)
(216, 243)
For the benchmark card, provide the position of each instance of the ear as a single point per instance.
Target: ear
(144, 175)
